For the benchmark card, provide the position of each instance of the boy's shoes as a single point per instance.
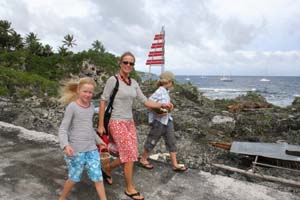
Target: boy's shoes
(146, 165)
(180, 168)
(132, 196)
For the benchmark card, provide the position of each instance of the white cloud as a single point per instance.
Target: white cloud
(243, 37)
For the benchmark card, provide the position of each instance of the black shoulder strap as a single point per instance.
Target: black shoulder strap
(113, 94)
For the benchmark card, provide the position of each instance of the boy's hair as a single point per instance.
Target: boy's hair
(70, 88)
(165, 78)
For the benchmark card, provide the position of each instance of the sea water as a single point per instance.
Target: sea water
(280, 91)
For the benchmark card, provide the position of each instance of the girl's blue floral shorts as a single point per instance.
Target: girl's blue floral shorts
(89, 160)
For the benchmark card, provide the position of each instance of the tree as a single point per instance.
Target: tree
(5, 34)
(5, 27)
(33, 45)
(31, 38)
(69, 41)
(63, 51)
(16, 41)
(47, 50)
(98, 46)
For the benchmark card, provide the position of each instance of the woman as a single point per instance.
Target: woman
(121, 125)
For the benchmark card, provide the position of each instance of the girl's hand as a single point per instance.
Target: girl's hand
(102, 147)
(69, 151)
(101, 130)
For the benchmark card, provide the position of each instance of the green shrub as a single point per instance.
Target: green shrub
(3, 91)
(18, 83)
(25, 93)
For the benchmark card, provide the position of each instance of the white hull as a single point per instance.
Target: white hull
(264, 80)
(225, 79)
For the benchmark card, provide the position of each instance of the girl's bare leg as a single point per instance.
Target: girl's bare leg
(100, 190)
(67, 188)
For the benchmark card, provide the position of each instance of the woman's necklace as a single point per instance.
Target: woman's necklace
(125, 81)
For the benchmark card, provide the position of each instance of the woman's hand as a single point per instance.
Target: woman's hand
(101, 130)
(69, 151)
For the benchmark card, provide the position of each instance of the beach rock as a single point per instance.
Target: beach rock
(32, 113)
(219, 119)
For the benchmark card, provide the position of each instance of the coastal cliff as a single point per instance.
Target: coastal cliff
(197, 119)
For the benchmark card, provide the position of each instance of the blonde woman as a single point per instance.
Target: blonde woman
(121, 125)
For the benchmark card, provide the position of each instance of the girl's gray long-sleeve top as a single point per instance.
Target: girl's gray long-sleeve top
(77, 129)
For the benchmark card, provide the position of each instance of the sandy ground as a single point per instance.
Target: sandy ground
(32, 167)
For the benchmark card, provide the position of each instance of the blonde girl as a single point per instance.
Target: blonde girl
(78, 138)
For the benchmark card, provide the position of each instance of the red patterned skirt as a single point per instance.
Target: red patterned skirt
(123, 133)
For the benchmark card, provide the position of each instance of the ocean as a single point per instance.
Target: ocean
(280, 91)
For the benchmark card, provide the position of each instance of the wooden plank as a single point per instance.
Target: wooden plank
(266, 177)
(222, 145)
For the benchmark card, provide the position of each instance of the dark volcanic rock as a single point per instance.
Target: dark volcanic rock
(197, 121)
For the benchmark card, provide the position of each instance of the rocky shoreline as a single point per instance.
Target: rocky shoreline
(197, 120)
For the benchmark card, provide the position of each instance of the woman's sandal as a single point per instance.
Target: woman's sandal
(134, 195)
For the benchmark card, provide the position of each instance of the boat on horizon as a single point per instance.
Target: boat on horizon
(264, 80)
(226, 79)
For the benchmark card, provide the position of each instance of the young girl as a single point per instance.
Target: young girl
(78, 138)
(161, 124)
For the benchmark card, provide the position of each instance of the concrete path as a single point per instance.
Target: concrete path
(32, 170)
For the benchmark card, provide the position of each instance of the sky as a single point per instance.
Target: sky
(203, 37)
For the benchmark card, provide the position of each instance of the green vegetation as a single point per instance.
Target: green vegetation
(188, 90)
(23, 84)
(28, 67)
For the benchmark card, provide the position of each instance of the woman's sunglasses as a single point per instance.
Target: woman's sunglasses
(126, 63)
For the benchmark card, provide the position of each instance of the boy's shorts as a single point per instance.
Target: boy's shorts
(89, 160)
(159, 130)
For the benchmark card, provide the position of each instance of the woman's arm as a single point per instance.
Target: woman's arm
(153, 104)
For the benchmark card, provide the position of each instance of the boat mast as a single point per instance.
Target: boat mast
(162, 32)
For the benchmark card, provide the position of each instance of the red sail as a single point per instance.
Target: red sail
(159, 37)
(157, 45)
(156, 53)
(155, 62)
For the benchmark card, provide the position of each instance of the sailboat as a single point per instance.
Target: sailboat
(226, 79)
(264, 80)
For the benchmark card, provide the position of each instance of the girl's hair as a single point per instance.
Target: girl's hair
(165, 78)
(70, 88)
(127, 53)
